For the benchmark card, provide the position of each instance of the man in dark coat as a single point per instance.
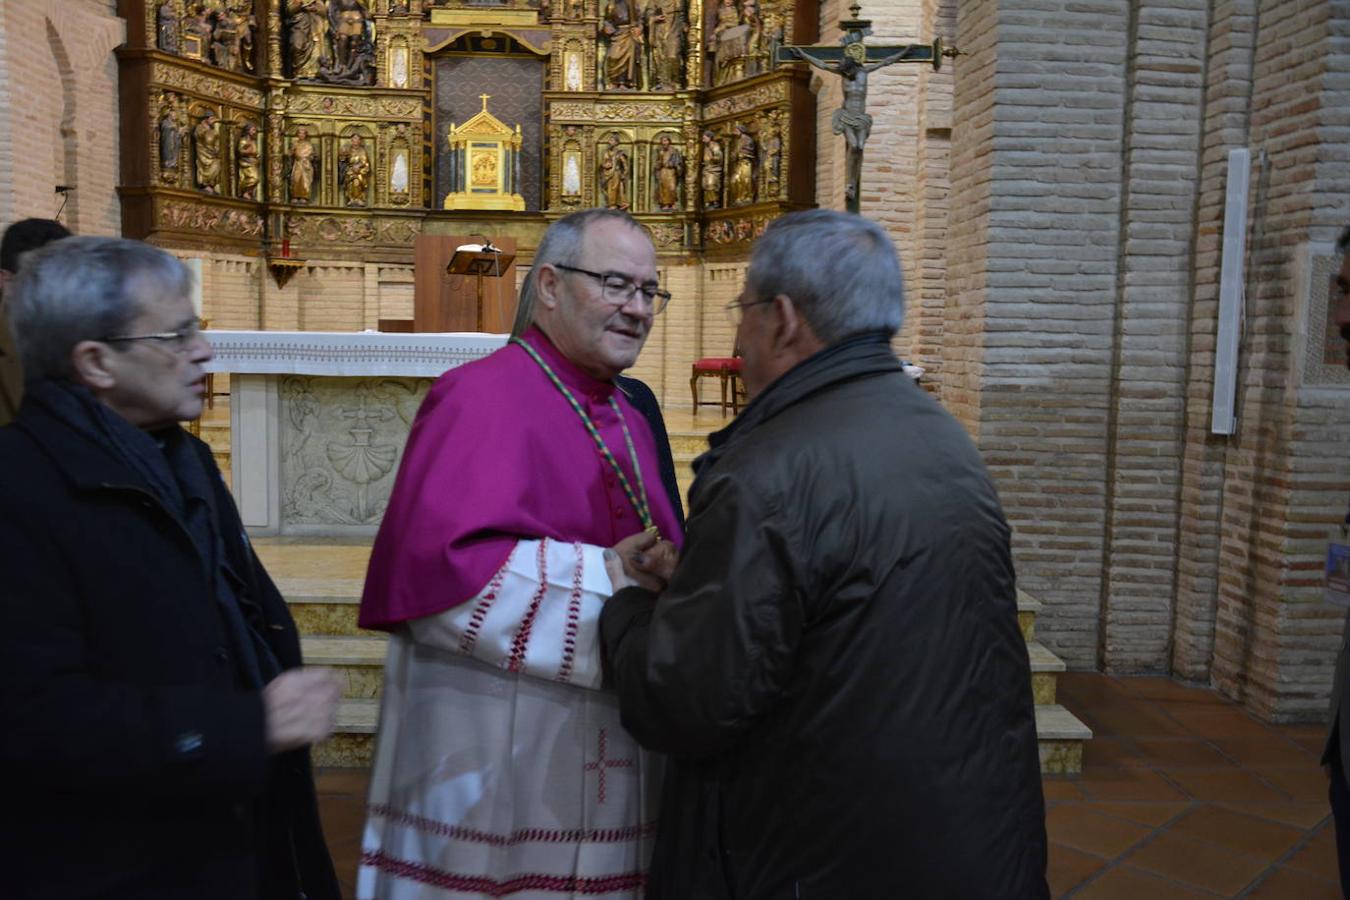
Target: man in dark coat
(1336, 756)
(835, 665)
(156, 720)
(21, 237)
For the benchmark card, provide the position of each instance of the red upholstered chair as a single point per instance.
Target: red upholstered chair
(727, 370)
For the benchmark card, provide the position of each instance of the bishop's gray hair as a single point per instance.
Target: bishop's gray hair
(562, 244)
(81, 289)
(840, 270)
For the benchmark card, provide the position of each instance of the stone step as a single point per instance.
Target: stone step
(1045, 669)
(688, 444)
(1060, 737)
(359, 660)
(1027, 608)
(352, 745)
(361, 657)
(324, 606)
(1059, 733)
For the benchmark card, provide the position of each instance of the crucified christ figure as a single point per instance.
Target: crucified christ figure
(851, 120)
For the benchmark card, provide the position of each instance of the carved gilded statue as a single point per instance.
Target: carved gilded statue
(307, 36)
(197, 32)
(711, 179)
(772, 13)
(622, 27)
(207, 134)
(727, 43)
(304, 166)
(170, 140)
(666, 30)
(347, 19)
(248, 24)
(354, 167)
(755, 59)
(167, 28)
(773, 159)
(247, 162)
(668, 167)
(742, 189)
(225, 40)
(614, 168)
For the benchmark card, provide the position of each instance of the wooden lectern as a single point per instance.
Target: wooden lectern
(463, 291)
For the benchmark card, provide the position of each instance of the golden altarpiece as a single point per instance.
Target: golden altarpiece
(323, 128)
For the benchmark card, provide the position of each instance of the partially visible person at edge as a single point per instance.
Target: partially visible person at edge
(835, 667)
(156, 718)
(1336, 756)
(21, 237)
(501, 767)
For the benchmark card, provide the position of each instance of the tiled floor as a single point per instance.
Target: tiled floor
(1182, 795)
(1185, 795)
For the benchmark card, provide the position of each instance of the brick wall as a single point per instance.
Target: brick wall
(1163, 91)
(59, 122)
(1078, 259)
(1274, 639)
(927, 288)
(1232, 36)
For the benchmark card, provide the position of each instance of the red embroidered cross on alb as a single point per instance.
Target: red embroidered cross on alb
(601, 764)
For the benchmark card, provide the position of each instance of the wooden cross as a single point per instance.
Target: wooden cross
(601, 764)
(851, 61)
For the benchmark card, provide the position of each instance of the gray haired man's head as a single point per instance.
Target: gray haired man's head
(562, 245)
(840, 270)
(81, 289)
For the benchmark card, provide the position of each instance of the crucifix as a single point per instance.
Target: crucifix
(851, 61)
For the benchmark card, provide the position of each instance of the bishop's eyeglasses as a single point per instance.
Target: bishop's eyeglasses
(178, 341)
(618, 290)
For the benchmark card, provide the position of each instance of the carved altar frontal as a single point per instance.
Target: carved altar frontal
(318, 421)
(321, 128)
(341, 442)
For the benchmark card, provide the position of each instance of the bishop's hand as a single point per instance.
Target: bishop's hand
(625, 570)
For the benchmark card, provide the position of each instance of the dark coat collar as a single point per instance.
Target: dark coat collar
(59, 420)
(855, 357)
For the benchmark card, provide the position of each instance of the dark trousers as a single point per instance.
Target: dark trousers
(1340, 812)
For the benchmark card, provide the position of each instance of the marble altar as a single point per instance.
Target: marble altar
(318, 420)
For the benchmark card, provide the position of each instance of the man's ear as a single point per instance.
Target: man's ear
(792, 334)
(787, 322)
(91, 362)
(547, 281)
